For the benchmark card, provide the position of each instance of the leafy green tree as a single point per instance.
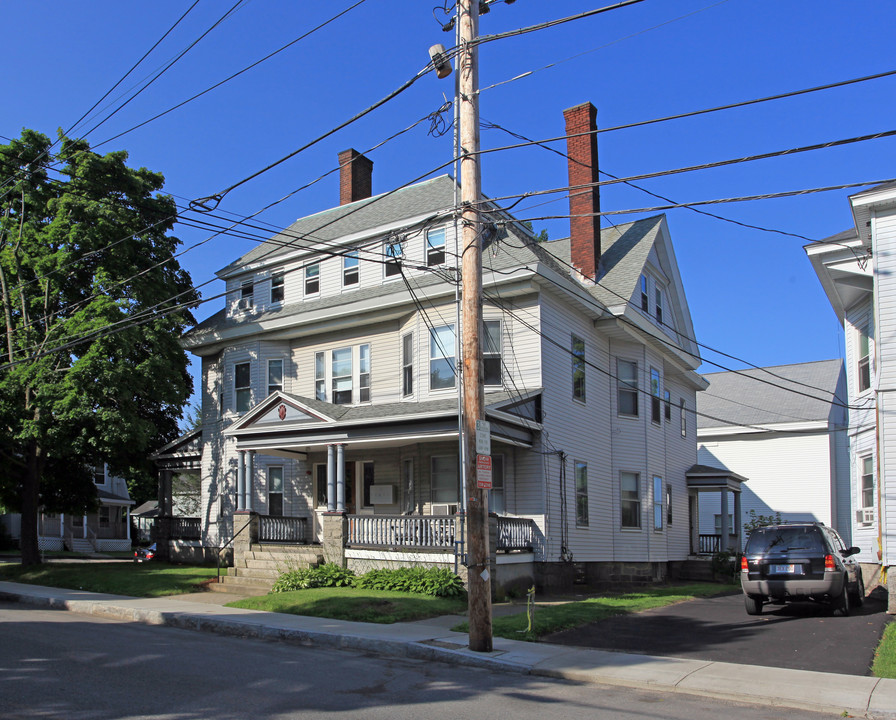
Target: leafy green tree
(91, 370)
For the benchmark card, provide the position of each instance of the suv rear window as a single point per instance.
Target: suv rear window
(783, 539)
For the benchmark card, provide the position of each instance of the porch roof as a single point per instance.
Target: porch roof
(107, 498)
(290, 425)
(706, 477)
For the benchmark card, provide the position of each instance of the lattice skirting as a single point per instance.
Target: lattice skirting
(50, 543)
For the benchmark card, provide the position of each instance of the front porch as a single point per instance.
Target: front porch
(702, 479)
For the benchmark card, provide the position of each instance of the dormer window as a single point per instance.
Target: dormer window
(277, 288)
(350, 269)
(247, 295)
(435, 247)
(312, 279)
(394, 252)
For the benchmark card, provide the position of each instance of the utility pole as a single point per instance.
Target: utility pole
(479, 579)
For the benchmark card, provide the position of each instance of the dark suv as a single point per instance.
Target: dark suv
(800, 561)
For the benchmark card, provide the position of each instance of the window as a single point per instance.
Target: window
(441, 357)
(407, 365)
(350, 269)
(277, 288)
(394, 252)
(312, 279)
(717, 523)
(658, 310)
(645, 301)
(367, 480)
(667, 405)
(496, 502)
(275, 376)
(866, 490)
(364, 370)
(581, 494)
(242, 386)
(275, 491)
(684, 420)
(630, 499)
(578, 368)
(668, 503)
(491, 353)
(341, 364)
(444, 479)
(320, 376)
(104, 517)
(655, 395)
(435, 247)
(247, 295)
(657, 503)
(627, 387)
(864, 365)
(99, 474)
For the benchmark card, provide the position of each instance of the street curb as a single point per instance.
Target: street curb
(818, 692)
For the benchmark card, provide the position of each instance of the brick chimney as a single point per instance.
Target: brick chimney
(584, 226)
(355, 177)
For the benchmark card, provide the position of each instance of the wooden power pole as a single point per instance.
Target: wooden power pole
(479, 582)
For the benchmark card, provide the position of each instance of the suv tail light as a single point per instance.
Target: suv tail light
(829, 562)
(744, 566)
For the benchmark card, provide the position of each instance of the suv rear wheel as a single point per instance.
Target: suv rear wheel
(753, 605)
(841, 603)
(859, 597)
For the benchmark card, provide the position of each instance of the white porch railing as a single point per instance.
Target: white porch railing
(515, 534)
(419, 531)
(282, 529)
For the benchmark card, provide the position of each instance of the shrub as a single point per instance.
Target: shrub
(326, 575)
(439, 582)
(725, 566)
(756, 521)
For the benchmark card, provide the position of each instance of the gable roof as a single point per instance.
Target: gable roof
(763, 396)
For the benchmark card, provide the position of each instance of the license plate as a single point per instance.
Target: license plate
(786, 570)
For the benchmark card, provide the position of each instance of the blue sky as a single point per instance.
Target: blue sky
(752, 294)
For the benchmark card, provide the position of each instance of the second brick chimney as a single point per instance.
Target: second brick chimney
(584, 202)
(355, 177)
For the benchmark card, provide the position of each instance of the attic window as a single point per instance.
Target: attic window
(864, 364)
(658, 311)
(435, 247)
(247, 295)
(277, 287)
(645, 300)
(394, 252)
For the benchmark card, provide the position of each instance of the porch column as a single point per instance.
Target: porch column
(84, 527)
(340, 478)
(61, 525)
(241, 480)
(331, 478)
(250, 480)
(726, 531)
(127, 521)
(737, 522)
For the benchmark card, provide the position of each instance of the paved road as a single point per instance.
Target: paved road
(64, 665)
(801, 636)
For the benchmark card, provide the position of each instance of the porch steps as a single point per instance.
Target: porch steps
(259, 568)
(81, 545)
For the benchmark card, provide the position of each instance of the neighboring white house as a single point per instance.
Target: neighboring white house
(329, 378)
(782, 428)
(108, 529)
(857, 269)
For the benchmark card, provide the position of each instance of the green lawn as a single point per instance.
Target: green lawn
(885, 657)
(554, 617)
(343, 603)
(152, 579)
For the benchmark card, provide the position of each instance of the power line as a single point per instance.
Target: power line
(234, 75)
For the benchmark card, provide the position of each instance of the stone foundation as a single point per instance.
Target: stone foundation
(558, 576)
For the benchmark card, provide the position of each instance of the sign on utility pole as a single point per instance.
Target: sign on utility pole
(479, 580)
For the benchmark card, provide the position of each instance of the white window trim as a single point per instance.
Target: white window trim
(440, 349)
(432, 498)
(355, 270)
(627, 387)
(576, 360)
(639, 501)
(435, 248)
(405, 365)
(394, 260)
(281, 276)
(316, 278)
(237, 388)
(491, 355)
(577, 464)
(658, 503)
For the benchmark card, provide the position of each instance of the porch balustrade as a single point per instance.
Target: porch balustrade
(711, 544)
(402, 531)
(293, 530)
(185, 528)
(515, 534)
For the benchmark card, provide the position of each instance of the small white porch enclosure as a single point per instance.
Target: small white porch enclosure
(704, 478)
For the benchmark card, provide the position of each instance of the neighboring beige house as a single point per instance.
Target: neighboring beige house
(329, 385)
(784, 429)
(857, 269)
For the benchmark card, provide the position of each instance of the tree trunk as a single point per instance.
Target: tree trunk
(31, 504)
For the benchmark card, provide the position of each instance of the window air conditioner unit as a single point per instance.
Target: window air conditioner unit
(865, 516)
(244, 304)
(444, 509)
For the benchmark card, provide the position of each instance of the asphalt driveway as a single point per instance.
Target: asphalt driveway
(801, 636)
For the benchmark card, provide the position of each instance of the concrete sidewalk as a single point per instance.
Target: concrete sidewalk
(431, 640)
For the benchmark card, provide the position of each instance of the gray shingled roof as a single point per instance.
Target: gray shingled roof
(740, 398)
(429, 196)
